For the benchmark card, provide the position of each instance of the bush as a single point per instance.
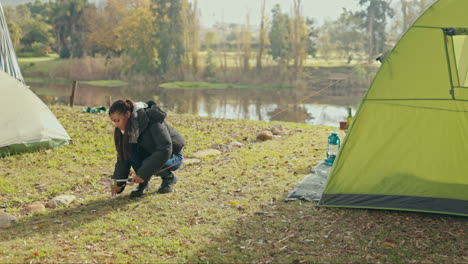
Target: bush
(40, 49)
(210, 65)
(64, 52)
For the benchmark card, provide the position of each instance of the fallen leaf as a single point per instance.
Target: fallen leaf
(389, 244)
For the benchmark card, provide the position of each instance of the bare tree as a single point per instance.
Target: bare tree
(246, 38)
(262, 38)
(298, 36)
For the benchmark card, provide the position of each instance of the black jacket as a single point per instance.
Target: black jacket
(157, 138)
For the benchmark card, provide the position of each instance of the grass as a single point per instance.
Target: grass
(49, 57)
(206, 85)
(45, 80)
(104, 83)
(227, 209)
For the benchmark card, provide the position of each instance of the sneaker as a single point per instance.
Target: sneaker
(140, 190)
(167, 184)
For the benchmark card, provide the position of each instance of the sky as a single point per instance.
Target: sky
(235, 11)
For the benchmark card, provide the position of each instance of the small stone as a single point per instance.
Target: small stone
(206, 153)
(236, 144)
(277, 130)
(36, 207)
(61, 200)
(7, 220)
(221, 147)
(265, 135)
(191, 161)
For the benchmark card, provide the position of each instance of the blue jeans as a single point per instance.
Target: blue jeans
(136, 157)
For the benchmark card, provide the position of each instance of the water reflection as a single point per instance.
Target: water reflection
(253, 104)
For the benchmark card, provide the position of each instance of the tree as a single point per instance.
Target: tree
(246, 38)
(410, 11)
(210, 40)
(347, 34)
(19, 20)
(15, 33)
(136, 32)
(311, 43)
(325, 46)
(102, 26)
(169, 22)
(299, 36)
(375, 20)
(191, 26)
(210, 69)
(39, 35)
(68, 25)
(262, 37)
(279, 35)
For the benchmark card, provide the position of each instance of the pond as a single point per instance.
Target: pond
(287, 104)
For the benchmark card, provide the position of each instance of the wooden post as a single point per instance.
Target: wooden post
(72, 97)
(109, 101)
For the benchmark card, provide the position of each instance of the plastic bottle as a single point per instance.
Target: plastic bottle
(333, 147)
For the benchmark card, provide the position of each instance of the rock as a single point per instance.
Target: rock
(191, 161)
(265, 135)
(7, 220)
(60, 200)
(236, 144)
(277, 130)
(36, 207)
(206, 153)
(221, 147)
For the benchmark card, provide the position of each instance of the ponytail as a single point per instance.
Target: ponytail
(121, 140)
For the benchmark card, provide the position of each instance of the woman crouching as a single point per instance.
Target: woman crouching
(145, 142)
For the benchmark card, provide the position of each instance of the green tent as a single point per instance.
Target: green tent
(408, 146)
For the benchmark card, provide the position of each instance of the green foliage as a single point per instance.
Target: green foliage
(106, 83)
(311, 45)
(347, 33)
(279, 34)
(168, 21)
(40, 49)
(38, 38)
(139, 46)
(210, 69)
(64, 52)
(15, 33)
(66, 16)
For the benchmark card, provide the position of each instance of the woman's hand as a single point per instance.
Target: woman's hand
(137, 179)
(115, 189)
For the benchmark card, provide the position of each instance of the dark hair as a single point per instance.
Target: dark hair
(121, 140)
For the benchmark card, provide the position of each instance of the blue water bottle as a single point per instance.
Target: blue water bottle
(333, 147)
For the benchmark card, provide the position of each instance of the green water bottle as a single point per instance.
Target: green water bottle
(349, 119)
(333, 147)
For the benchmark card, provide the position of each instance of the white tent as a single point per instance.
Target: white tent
(26, 122)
